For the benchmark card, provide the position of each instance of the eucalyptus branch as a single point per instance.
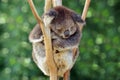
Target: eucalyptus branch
(47, 40)
(85, 10)
(48, 4)
(57, 3)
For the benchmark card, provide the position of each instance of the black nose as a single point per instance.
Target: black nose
(67, 33)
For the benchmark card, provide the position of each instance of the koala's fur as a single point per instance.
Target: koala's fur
(65, 37)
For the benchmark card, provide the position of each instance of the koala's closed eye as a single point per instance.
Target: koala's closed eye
(72, 28)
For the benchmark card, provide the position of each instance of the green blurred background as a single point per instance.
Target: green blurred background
(99, 48)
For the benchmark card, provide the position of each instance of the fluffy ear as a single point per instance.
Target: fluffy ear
(36, 34)
(49, 16)
(77, 19)
(52, 13)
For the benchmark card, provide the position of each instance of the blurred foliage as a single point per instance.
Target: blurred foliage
(99, 48)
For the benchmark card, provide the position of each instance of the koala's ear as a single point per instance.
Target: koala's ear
(36, 34)
(49, 16)
(77, 18)
(52, 13)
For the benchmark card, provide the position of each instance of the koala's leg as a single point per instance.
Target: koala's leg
(67, 75)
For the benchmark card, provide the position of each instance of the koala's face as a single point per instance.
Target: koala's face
(64, 22)
(64, 29)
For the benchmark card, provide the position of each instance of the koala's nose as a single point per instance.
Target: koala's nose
(67, 33)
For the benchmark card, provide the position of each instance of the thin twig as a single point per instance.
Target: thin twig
(85, 10)
(84, 14)
(48, 46)
(57, 3)
(34, 11)
(48, 4)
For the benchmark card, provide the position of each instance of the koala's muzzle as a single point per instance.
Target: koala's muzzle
(67, 33)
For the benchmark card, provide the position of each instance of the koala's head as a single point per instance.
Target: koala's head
(64, 21)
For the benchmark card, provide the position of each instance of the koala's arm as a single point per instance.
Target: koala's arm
(68, 43)
(36, 34)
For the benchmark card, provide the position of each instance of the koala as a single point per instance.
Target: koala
(64, 21)
(64, 28)
(65, 35)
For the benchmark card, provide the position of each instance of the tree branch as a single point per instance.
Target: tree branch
(85, 10)
(57, 3)
(47, 40)
(48, 4)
